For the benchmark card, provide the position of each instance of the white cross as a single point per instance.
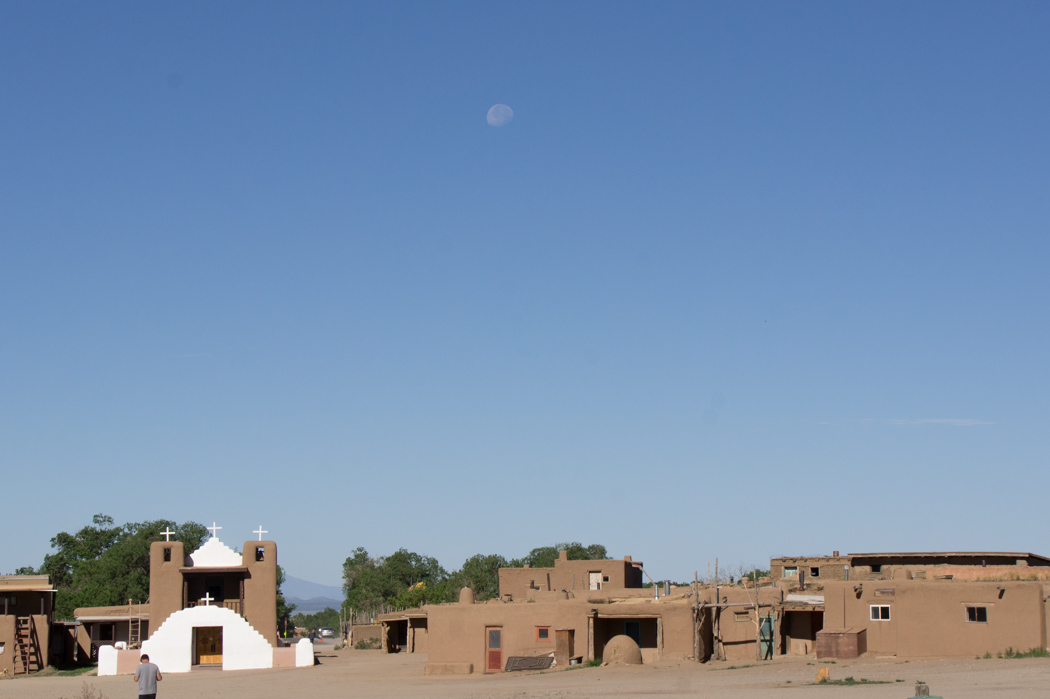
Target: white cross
(167, 534)
(260, 531)
(207, 598)
(214, 530)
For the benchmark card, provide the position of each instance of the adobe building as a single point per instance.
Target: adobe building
(214, 607)
(125, 625)
(932, 618)
(946, 565)
(571, 611)
(609, 574)
(26, 614)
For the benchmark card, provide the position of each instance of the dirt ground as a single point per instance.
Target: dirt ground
(374, 674)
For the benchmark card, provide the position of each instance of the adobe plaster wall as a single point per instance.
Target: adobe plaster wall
(165, 580)
(7, 636)
(568, 575)
(260, 588)
(928, 618)
(457, 632)
(243, 648)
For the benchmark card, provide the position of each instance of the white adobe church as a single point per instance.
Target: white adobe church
(214, 607)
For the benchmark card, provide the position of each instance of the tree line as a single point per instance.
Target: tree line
(104, 565)
(405, 579)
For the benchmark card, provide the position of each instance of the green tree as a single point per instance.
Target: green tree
(370, 582)
(25, 570)
(545, 556)
(312, 622)
(103, 564)
(481, 574)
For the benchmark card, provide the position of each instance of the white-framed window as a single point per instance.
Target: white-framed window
(790, 571)
(977, 615)
(880, 612)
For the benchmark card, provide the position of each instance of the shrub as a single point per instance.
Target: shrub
(368, 644)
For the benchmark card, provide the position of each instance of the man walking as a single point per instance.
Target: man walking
(147, 675)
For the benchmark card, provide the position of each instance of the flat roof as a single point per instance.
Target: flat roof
(121, 612)
(25, 583)
(946, 554)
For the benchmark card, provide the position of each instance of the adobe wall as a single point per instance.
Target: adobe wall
(260, 588)
(244, 647)
(165, 580)
(928, 618)
(7, 635)
(737, 624)
(457, 631)
(569, 575)
(988, 573)
(829, 567)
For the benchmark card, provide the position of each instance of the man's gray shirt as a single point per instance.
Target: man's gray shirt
(146, 674)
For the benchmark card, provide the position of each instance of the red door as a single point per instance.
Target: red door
(493, 649)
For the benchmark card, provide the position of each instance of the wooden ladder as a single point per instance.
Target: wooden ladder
(26, 656)
(134, 625)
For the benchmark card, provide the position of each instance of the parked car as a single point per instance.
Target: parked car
(327, 632)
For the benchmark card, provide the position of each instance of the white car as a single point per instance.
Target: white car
(327, 632)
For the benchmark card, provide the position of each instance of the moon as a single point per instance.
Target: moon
(499, 115)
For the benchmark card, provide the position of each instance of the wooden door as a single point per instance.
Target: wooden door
(595, 581)
(209, 645)
(493, 649)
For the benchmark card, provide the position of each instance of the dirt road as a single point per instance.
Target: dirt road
(374, 674)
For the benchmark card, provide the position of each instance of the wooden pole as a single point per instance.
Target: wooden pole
(696, 617)
(717, 621)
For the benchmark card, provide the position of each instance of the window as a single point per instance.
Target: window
(790, 571)
(605, 578)
(876, 568)
(741, 617)
(543, 633)
(167, 553)
(977, 615)
(105, 632)
(880, 612)
(2, 648)
(260, 553)
(814, 572)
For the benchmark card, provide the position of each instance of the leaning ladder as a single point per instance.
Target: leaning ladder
(134, 625)
(24, 641)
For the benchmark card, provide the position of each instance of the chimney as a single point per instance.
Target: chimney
(835, 554)
(563, 555)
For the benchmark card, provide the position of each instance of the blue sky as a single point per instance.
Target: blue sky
(738, 280)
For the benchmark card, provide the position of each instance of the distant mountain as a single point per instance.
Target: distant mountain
(314, 604)
(305, 590)
(309, 597)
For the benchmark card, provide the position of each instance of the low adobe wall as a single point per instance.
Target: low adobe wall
(988, 573)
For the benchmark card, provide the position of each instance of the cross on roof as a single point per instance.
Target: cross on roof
(167, 534)
(260, 531)
(207, 599)
(214, 529)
